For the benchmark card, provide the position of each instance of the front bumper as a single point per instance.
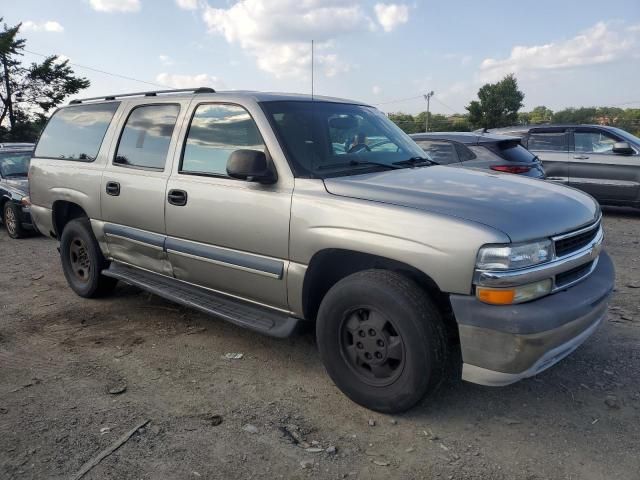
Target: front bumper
(503, 344)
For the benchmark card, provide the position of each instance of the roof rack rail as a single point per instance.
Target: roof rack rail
(152, 93)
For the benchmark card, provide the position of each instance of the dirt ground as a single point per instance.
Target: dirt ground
(274, 412)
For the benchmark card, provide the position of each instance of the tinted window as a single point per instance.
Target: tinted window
(440, 151)
(323, 139)
(146, 136)
(14, 164)
(593, 142)
(464, 154)
(513, 152)
(76, 133)
(548, 141)
(216, 131)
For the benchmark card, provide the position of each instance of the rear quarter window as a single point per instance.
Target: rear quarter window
(76, 132)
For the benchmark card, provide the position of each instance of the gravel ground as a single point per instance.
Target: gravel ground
(274, 412)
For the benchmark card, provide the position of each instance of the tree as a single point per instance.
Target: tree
(406, 122)
(28, 93)
(540, 114)
(497, 105)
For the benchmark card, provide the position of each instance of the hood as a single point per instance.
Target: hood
(522, 208)
(19, 185)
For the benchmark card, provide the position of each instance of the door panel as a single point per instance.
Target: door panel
(134, 186)
(231, 235)
(552, 148)
(595, 169)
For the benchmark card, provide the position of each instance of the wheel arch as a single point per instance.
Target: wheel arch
(63, 212)
(329, 266)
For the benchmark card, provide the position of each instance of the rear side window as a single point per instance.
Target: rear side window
(513, 152)
(76, 132)
(146, 137)
(548, 141)
(464, 154)
(440, 151)
(215, 132)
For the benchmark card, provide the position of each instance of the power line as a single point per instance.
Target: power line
(398, 100)
(444, 104)
(101, 71)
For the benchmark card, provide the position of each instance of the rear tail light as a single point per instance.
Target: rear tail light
(511, 168)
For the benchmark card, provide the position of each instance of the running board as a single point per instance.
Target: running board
(243, 314)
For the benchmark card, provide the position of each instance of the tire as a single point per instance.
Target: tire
(402, 355)
(11, 219)
(82, 260)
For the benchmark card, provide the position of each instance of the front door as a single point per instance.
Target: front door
(595, 169)
(551, 145)
(225, 234)
(134, 185)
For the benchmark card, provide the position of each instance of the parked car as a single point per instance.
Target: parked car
(14, 188)
(480, 150)
(275, 211)
(600, 160)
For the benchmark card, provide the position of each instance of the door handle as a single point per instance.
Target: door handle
(177, 197)
(113, 189)
(581, 157)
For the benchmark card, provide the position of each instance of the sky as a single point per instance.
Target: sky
(563, 53)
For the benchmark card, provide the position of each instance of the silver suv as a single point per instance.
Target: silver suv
(276, 211)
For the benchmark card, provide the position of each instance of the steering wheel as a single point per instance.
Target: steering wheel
(358, 147)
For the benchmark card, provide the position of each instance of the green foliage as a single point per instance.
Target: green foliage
(437, 122)
(497, 105)
(35, 89)
(628, 119)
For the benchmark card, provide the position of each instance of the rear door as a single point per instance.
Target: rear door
(595, 169)
(551, 145)
(134, 184)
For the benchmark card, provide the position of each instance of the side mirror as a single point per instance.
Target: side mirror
(622, 148)
(250, 165)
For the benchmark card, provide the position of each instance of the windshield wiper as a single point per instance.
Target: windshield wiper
(16, 174)
(357, 163)
(415, 161)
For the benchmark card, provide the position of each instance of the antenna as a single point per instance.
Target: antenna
(312, 70)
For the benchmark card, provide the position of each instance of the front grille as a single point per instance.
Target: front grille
(573, 275)
(574, 243)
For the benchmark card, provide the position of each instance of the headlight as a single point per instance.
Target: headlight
(511, 295)
(507, 257)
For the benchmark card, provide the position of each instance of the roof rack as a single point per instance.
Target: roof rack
(153, 93)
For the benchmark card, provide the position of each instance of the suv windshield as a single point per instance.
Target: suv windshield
(14, 164)
(324, 139)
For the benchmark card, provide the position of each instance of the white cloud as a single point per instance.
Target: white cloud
(189, 81)
(165, 60)
(278, 33)
(376, 90)
(48, 26)
(187, 4)
(391, 15)
(596, 45)
(115, 5)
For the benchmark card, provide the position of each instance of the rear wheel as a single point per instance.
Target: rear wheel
(82, 260)
(11, 219)
(382, 340)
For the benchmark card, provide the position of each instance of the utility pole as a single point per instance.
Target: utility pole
(7, 83)
(427, 97)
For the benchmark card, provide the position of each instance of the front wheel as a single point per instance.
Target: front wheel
(82, 260)
(382, 340)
